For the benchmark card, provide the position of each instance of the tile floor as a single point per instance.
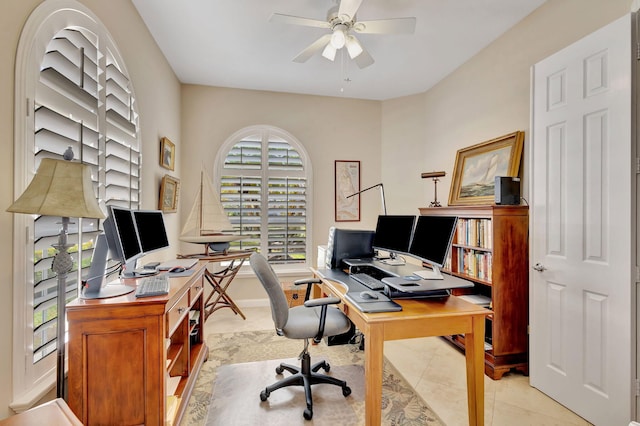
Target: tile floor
(439, 378)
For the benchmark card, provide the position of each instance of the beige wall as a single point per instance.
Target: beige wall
(329, 128)
(158, 94)
(485, 98)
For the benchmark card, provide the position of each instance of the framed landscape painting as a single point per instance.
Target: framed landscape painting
(477, 166)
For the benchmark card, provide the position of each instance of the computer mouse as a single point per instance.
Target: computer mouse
(368, 295)
(177, 269)
(411, 278)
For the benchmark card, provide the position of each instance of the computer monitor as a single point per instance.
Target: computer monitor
(393, 235)
(348, 244)
(122, 237)
(151, 230)
(431, 242)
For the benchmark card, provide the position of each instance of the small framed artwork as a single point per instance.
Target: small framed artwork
(167, 154)
(347, 182)
(477, 166)
(169, 188)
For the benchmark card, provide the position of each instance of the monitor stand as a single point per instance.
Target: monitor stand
(426, 274)
(394, 260)
(95, 287)
(109, 290)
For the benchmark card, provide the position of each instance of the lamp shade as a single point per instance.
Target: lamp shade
(60, 188)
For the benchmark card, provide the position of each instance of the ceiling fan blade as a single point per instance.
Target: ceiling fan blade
(363, 60)
(386, 26)
(297, 20)
(312, 49)
(348, 9)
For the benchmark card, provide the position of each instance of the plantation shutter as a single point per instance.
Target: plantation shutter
(264, 191)
(82, 101)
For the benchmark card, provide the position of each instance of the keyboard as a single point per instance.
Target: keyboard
(153, 286)
(368, 281)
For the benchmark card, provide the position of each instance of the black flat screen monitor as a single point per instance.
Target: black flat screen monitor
(151, 230)
(393, 234)
(348, 244)
(431, 242)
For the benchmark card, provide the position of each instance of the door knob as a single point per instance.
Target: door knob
(539, 267)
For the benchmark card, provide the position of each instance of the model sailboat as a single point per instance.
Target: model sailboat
(208, 223)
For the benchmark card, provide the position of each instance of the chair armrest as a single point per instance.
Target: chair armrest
(307, 282)
(321, 301)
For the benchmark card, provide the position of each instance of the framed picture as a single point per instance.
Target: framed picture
(347, 182)
(477, 166)
(167, 154)
(169, 188)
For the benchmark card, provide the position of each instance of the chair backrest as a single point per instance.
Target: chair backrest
(271, 283)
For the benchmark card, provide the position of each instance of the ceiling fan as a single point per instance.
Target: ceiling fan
(341, 20)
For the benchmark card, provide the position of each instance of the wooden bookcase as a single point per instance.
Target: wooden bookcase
(135, 361)
(491, 249)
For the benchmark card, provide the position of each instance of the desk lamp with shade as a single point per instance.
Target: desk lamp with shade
(60, 188)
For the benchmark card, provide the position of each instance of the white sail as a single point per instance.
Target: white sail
(207, 221)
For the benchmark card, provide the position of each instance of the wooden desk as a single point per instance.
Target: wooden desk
(52, 413)
(135, 361)
(418, 318)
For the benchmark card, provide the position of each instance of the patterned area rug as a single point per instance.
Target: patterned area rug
(400, 405)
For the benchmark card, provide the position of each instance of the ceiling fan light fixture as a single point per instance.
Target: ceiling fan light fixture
(353, 47)
(339, 36)
(329, 52)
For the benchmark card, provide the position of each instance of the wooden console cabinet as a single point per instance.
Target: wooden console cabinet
(491, 249)
(135, 361)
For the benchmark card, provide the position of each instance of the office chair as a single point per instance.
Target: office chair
(315, 319)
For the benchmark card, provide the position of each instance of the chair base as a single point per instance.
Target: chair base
(306, 376)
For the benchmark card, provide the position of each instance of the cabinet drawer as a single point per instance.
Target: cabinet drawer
(176, 313)
(195, 291)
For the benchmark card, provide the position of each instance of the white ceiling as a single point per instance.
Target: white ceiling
(231, 43)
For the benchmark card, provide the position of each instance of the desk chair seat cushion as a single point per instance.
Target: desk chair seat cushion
(303, 322)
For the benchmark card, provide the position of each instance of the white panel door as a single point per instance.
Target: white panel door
(581, 240)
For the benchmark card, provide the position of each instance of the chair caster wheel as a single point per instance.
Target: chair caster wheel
(265, 394)
(346, 391)
(326, 367)
(279, 370)
(308, 414)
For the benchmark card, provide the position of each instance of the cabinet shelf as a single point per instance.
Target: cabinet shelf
(493, 254)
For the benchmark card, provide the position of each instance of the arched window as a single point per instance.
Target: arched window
(72, 89)
(264, 176)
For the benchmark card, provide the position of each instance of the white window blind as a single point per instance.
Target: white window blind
(264, 189)
(83, 101)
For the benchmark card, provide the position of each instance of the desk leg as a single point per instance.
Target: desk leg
(474, 353)
(373, 365)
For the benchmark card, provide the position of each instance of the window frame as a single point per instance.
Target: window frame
(265, 131)
(31, 381)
